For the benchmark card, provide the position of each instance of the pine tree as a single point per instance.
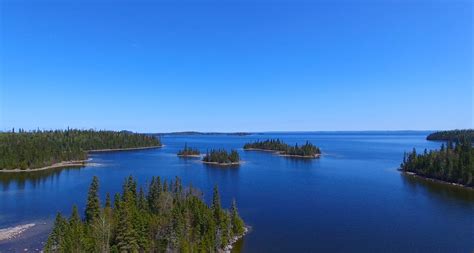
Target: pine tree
(75, 234)
(237, 222)
(93, 204)
(56, 241)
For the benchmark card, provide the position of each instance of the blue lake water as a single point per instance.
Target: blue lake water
(352, 199)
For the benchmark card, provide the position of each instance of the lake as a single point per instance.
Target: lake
(352, 199)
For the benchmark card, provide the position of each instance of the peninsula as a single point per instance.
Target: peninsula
(167, 218)
(453, 163)
(451, 135)
(40, 150)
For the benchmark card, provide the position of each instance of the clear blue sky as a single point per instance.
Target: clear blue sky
(237, 66)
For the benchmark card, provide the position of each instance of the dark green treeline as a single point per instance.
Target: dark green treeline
(221, 156)
(307, 149)
(188, 151)
(452, 163)
(167, 218)
(451, 135)
(22, 150)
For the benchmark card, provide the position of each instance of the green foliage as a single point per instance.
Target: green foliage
(452, 163)
(187, 151)
(307, 149)
(221, 156)
(93, 205)
(23, 150)
(452, 135)
(167, 218)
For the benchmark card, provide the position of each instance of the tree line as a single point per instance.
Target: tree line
(307, 149)
(188, 151)
(453, 163)
(221, 156)
(167, 218)
(451, 135)
(34, 149)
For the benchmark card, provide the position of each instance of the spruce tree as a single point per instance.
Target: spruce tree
(93, 203)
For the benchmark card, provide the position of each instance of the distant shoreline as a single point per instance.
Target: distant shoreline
(409, 173)
(285, 155)
(121, 149)
(74, 163)
(222, 164)
(193, 156)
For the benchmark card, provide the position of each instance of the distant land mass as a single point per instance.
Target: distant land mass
(451, 135)
(205, 133)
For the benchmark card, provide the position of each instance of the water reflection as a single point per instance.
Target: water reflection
(19, 180)
(445, 191)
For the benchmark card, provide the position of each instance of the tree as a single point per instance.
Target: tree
(237, 222)
(93, 203)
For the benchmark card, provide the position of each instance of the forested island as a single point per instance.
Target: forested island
(188, 152)
(222, 157)
(47, 149)
(307, 150)
(167, 218)
(452, 135)
(453, 163)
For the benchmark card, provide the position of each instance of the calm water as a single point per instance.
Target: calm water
(351, 200)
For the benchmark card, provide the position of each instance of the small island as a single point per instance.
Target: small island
(307, 150)
(451, 135)
(40, 150)
(222, 158)
(453, 163)
(189, 152)
(166, 217)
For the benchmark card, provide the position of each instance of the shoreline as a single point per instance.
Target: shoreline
(120, 149)
(74, 163)
(409, 173)
(193, 156)
(285, 155)
(63, 164)
(10, 233)
(222, 164)
(229, 247)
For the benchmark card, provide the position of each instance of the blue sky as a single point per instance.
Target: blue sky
(156, 66)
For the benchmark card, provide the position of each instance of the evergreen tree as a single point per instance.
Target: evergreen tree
(93, 204)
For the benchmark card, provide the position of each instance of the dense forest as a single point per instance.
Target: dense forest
(306, 150)
(221, 156)
(452, 163)
(168, 218)
(452, 135)
(187, 151)
(22, 149)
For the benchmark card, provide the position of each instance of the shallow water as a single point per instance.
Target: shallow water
(352, 199)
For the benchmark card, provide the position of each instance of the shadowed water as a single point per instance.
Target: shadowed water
(352, 199)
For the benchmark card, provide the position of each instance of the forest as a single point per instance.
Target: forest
(167, 218)
(221, 156)
(34, 149)
(188, 151)
(453, 163)
(306, 150)
(451, 135)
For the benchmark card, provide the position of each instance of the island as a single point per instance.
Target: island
(307, 150)
(451, 135)
(453, 163)
(167, 218)
(188, 152)
(222, 158)
(40, 150)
